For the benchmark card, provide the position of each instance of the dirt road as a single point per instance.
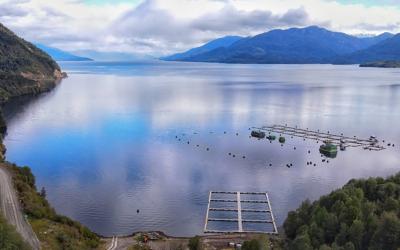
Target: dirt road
(11, 209)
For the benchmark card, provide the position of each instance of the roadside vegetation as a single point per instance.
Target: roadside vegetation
(364, 214)
(54, 231)
(9, 238)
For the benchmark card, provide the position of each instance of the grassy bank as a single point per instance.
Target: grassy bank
(54, 231)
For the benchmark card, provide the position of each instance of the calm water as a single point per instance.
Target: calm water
(106, 142)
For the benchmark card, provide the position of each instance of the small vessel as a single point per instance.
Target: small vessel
(328, 149)
(258, 134)
(271, 137)
(342, 146)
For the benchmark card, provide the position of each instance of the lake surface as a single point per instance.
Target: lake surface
(113, 138)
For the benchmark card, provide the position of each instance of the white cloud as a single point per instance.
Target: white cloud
(164, 26)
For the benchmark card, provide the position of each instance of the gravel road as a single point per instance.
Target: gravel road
(12, 211)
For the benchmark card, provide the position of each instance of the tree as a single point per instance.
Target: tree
(43, 192)
(356, 232)
(387, 235)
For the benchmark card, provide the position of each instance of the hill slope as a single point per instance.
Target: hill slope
(214, 44)
(296, 45)
(387, 50)
(60, 55)
(364, 214)
(24, 69)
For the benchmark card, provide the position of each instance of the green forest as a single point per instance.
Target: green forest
(364, 214)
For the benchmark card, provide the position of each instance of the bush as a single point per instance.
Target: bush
(194, 243)
(251, 245)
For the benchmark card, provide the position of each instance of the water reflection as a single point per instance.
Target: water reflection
(112, 138)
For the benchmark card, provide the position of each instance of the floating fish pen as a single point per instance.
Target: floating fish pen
(371, 143)
(238, 209)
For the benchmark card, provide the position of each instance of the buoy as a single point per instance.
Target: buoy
(315, 164)
(137, 211)
(208, 149)
(294, 148)
(244, 157)
(229, 153)
(309, 151)
(234, 156)
(188, 142)
(270, 165)
(224, 132)
(197, 145)
(237, 134)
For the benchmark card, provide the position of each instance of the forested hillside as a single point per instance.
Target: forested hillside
(364, 214)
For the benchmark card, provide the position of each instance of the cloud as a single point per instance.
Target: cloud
(230, 19)
(160, 27)
(12, 9)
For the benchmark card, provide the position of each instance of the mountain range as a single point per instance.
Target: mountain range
(60, 55)
(296, 46)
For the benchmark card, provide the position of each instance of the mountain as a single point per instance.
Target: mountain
(24, 69)
(386, 50)
(296, 45)
(381, 64)
(214, 44)
(60, 55)
(113, 56)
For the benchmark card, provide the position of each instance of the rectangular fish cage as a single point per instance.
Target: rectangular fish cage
(239, 212)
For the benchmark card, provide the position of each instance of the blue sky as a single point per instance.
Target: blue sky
(160, 27)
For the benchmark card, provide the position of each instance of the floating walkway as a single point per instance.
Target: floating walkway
(260, 198)
(367, 144)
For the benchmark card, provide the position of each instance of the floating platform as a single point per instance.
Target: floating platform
(367, 144)
(235, 198)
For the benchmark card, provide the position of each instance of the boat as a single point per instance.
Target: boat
(258, 134)
(328, 149)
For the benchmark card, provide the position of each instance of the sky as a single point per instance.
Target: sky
(161, 27)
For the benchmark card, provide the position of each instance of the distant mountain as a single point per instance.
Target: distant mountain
(386, 50)
(113, 56)
(214, 44)
(296, 45)
(60, 55)
(382, 64)
(24, 69)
